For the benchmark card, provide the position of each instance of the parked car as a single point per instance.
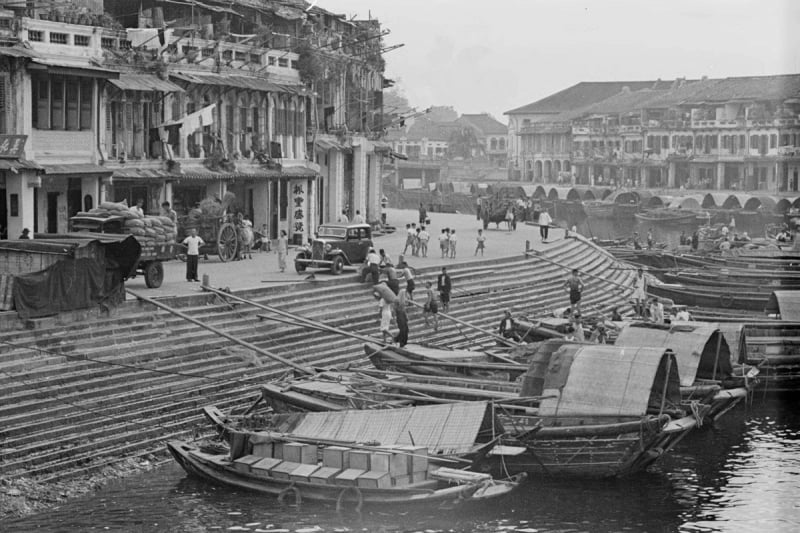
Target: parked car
(335, 247)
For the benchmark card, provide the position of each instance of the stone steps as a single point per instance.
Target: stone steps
(97, 412)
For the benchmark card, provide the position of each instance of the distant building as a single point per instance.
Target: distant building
(739, 133)
(492, 135)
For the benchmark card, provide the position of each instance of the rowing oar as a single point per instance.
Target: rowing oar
(266, 353)
(537, 255)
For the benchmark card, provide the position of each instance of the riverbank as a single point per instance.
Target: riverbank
(96, 376)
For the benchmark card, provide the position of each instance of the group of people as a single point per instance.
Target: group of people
(392, 302)
(417, 238)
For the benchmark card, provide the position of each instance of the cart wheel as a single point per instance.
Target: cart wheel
(337, 266)
(153, 274)
(227, 242)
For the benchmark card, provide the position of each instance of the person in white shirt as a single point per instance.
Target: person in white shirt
(138, 209)
(424, 237)
(193, 244)
(444, 242)
(544, 224)
(342, 218)
(373, 261)
(683, 315)
(283, 250)
(639, 292)
(453, 241)
(359, 218)
(656, 311)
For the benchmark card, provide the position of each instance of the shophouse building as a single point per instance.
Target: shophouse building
(277, 102)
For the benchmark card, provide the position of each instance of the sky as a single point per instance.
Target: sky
(480, 56)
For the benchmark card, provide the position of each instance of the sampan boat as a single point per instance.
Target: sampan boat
(584, 410)
(358, 475)
(704, 362)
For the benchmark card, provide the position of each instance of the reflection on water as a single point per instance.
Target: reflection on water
(741, 475)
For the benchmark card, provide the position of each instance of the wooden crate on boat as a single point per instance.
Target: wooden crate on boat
(380, 461)
(324, 475)
(243, 464)
(400, 480)
(417, 458)
(284, 470)
(349, 477)
(263, 468)
(374, 480)
(336, 457)
(359, 459)
(263, 445)
(303, 473)
(298, 452)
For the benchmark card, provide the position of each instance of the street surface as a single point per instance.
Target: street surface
(262, 270)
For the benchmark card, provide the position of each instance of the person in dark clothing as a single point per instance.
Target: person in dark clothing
(26, 234)
(423, 214)
(402, 324)
(695, 241)
(445, 286)
(391, 278)
(506, 328)
(574, 285)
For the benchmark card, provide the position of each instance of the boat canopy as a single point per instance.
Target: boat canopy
(443, 429)
(687, 202)
(714, 199)
(786, 304)
(783, 205)
(764, 203)
(735, 201)
(605, 380)
(693, 343)
(656, 201)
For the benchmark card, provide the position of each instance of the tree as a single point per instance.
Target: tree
(463, 143)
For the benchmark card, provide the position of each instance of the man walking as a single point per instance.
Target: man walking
(283, 249)
(574, 286)
(193, 244)
(639, 292)
(445, 286)
(359, 218)
(544, 224)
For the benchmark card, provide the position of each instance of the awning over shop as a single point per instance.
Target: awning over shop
(250, 83)
(72, 66)
(141, 173)
(326, 144)
(17, 51)
(15, 165)
(144, 82)
(199, 172)
(75, 169)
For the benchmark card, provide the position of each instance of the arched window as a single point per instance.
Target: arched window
(493, 143)
(502, 144)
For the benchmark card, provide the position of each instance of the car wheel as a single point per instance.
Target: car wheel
(337, 266)
(299, 267)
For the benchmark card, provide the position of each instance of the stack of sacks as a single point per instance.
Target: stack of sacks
(157, 228)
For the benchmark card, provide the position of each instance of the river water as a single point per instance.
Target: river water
(743, 474)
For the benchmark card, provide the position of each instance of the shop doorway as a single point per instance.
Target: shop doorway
(3, 215)
(52, 212)
(74, 197)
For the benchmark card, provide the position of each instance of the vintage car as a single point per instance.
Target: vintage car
(335, 247)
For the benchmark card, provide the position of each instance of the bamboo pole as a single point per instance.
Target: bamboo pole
(495, 336)
(266, 353)
(538, 255)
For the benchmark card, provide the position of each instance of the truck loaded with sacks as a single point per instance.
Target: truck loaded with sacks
(155, 234)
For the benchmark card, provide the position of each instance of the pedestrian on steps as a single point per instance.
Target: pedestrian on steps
(283, 249)
(445, 287)
(193, 244)
(544, 224)
(574, 286)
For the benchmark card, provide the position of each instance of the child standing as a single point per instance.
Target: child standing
(453, 242)
(481, 242)
(444, 242)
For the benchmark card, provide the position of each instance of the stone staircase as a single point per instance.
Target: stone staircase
(80, 396)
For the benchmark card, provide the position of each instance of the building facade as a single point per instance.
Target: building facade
(720, 134)
(280, 105)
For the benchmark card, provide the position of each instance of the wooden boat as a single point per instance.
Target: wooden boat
(774, 347)
(710, 280)
(704, 362)
(598, 209)
(281, 467)
(584, 410)
(437, 362)
(710, 297)
(666, 216)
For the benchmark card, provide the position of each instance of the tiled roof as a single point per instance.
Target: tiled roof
(485, 123)
(750, 88)
(583, 94)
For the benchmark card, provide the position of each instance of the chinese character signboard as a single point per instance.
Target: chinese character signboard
(12, 146)
(298, 207)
